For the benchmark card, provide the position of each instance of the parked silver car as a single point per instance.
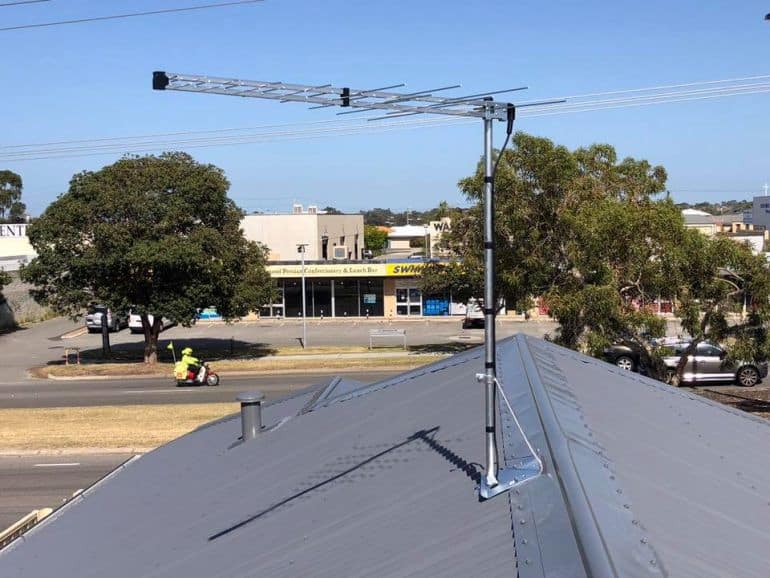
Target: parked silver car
(709, 364)
(115, 321)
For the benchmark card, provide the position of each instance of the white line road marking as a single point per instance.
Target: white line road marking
(140, 391)
(61, 465)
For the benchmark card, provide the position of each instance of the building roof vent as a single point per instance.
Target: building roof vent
(296, 209)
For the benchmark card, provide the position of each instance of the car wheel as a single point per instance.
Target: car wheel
(625, 362)
(747, 377)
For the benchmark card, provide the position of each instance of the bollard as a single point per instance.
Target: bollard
(251, 414)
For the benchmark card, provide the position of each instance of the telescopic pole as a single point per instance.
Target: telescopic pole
(490, 478)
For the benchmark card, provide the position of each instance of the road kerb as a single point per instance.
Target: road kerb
(10, 452)
(75, 333)
(298, 371)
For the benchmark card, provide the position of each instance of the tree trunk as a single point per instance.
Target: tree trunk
(151, 333)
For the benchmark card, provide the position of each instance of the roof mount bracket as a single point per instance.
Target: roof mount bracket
(522, 471)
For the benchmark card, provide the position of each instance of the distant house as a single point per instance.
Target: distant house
(731, 225)
(401, 238)
(701, 221)
(640, 479)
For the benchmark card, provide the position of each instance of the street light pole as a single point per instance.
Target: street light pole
(426, 240)
(301, 250)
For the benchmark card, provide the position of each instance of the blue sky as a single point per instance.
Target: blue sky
(88, 81)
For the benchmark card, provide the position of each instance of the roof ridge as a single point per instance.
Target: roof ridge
(608, 535)
(654, 383)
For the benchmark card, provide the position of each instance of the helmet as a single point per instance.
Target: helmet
(187, 351)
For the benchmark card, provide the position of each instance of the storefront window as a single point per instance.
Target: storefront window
(408, 301)
(435, 305)
(292, 296)
(346, 303)
(318, 294)
(370, 294)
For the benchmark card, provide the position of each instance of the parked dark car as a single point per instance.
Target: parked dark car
(709, 363)
(625, 354)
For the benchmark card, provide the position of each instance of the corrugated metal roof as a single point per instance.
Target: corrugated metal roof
(640, 480)
(695, 472)
(380, 485)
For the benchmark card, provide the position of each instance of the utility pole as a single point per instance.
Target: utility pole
(301, 251)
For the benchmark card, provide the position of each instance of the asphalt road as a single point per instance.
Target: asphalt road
(33, 482)
(150, 391)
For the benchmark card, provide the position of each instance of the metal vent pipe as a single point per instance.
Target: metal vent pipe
(251, 414)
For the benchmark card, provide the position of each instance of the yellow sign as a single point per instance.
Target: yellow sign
(403, 269)
(346, 270)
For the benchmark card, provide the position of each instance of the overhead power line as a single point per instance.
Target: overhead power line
(22, 2)
(129, 15)
(319, 129)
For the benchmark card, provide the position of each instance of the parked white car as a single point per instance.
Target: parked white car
(135, 323)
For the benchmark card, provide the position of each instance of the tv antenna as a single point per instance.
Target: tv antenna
(388, 104)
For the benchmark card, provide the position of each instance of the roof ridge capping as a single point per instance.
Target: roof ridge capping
(612, 541)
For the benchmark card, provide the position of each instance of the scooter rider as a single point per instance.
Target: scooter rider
(193, 363)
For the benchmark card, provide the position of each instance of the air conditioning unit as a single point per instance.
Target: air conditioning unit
(340, 252)
(296, 209)
(312, 210)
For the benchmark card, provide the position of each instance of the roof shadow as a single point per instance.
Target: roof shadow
(208, 349)
(471, 470)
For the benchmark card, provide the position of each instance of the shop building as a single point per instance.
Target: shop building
(355, 290)
(326, 237)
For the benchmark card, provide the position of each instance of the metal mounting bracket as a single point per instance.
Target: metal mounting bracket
(509, 478)
(522, 470)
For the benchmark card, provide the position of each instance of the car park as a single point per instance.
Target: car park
(115, 321)
(709, 363)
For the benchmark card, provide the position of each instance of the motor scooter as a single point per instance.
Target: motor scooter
(204, 376)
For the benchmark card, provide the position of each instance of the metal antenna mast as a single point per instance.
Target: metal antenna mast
(397, 104)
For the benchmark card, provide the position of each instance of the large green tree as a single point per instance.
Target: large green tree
(375, 238)
(11, 208)
(587, 233)
(156, 234)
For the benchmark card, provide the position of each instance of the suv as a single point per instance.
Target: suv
(709, 364)
(115, 321)
(626, 354)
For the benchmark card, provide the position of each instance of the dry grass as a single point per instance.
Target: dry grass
(126, 427)
(237, 365)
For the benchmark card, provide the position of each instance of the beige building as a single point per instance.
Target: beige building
(15, 248)
(328, 237)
